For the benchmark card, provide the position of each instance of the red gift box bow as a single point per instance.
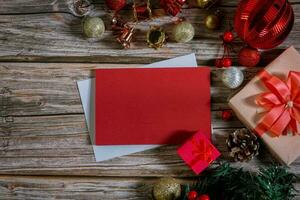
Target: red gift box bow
(282, 103)
(173, 7)
(202, 150)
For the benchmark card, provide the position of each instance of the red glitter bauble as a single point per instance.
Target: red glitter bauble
(192, 195)
(228, 36)
(263, 24)
(203, 197)
(115, 4)
(249, 57)
(226, 115)
(226, 62)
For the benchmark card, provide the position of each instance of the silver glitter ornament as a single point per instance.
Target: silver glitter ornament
(93, 27)
(232, 77)
(183, 32)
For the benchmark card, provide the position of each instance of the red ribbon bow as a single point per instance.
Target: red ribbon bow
(282, 103)
(172, 7)
(202, 150)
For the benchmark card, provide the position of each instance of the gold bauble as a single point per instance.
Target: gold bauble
(202, 3)
(183, 32)
(167, 189)
(93, 27)
(212, 21)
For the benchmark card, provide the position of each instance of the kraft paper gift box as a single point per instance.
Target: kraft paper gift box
(285, 146)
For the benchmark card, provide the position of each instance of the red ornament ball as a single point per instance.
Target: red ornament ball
(228, 36)
(115, 4)
(203, 197)
(226, 62)
(249, 57)
(192, 195)
(263, 24)
(226, 115)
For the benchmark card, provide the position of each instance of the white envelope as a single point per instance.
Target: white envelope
(87, 93)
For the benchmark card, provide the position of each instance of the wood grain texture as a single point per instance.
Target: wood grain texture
(32, 187)
(74, 188)
(45, 150)
(57, 37)
(59, 145)
(48, 6)
(43, 89)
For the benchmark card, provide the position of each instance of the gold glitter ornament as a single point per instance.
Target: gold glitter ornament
(93, 27)
(156, 37)
(183, 32)
(212, 21)
(167, 189)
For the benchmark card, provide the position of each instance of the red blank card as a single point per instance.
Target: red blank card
(151, 106)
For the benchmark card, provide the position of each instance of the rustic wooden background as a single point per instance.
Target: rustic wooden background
(45, 151)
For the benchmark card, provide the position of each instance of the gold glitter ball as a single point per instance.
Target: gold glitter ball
(212, 22)
(183, 32)
(93, 27)
(167, 189)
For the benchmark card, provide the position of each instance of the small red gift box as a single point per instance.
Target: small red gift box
(198, 152)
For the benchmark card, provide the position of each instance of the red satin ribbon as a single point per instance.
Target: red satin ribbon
(202, 151)
(282, 104)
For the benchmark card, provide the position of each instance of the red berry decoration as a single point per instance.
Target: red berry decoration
(218, 62)
(226, 62)
(249, 57)
(203, 197)
(115, 4)
(228, 36)
(226, 115)
(192, 195)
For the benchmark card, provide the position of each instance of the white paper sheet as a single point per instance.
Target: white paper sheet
(87, 93)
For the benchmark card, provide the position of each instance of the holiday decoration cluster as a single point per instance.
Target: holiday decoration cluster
(259, 25)
(124, 30)
(229, 183)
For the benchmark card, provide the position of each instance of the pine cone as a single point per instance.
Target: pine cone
(242, 145)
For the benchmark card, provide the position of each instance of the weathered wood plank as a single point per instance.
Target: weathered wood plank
(41, 89)
(59, 145)
(42, 128)
(57, 37)
(28, 188)
(38, 6)
(32, 187)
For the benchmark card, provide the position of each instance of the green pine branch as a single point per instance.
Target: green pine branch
(227, 183)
